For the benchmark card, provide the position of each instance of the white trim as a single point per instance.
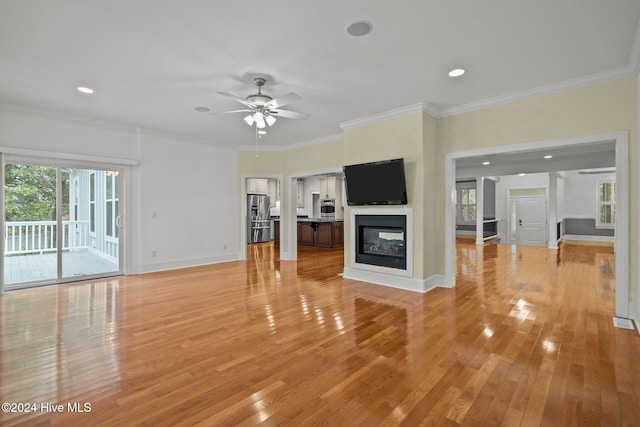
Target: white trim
(396, 112)
(409, 249)
(188, 263)
(550, 89)
(621, 140)
(586, 238)
(634, 314)
(394, 281)
(55, 155)
(242, 255)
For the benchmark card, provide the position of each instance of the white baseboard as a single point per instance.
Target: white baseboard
(186, 263)
(634, 314)
(588, 238)
(398, 282)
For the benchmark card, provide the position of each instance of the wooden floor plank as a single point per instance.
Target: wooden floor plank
(525, 338)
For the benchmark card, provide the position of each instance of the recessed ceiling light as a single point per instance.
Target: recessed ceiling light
(359, 29)
(486, 163)
(521, 174)
(84, 89)
(456, 72)
(548, 156)
(202, 109)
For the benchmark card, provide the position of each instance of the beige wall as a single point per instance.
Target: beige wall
(595, 109)
(424, 141)
(294, 162)
(389, 139)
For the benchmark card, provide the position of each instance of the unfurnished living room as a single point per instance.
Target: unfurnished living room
(320, 213)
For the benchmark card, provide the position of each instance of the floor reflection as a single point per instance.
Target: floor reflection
(59, 341)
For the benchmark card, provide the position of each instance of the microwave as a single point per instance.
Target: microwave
(328, 208)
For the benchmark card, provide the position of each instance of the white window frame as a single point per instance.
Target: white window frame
(460, 188)
(599, 203)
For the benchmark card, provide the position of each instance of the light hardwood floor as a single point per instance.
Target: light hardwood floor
(524, 338)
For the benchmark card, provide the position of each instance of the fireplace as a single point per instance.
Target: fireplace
(381, 240)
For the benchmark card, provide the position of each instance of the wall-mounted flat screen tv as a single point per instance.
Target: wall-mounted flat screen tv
(376, 183)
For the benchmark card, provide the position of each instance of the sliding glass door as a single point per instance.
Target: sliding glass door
(61, 224)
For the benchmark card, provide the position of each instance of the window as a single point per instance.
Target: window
(606, 209)
(111, 204)
(92, 202)
(466, 194)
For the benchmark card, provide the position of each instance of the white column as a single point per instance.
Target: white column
(479, 210)
(553, 211)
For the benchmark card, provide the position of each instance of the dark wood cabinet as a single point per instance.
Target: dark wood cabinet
(324, 235)
(338, 234)
(276, 231)
(321, 234)
(305, 234)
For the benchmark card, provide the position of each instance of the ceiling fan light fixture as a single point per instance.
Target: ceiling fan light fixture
(270, 120)
(259, 119)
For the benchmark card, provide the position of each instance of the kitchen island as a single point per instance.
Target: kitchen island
(321, 232)
(318, 232)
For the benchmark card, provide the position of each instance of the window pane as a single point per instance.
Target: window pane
(465, 197)
(472, 196)
(465, 212)
(109, 187)
(109, 218)
(92, 187)
(472, 213)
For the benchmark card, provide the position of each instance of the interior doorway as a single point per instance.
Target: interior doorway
(590, 149)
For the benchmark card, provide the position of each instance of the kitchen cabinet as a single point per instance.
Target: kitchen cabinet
(272, 191)
(328, 187)
(300, 195)
(276, 231)
(321, 234)
(306, 234)
(332, 187)
(257, 186)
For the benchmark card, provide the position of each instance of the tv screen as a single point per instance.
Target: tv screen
(376, 183)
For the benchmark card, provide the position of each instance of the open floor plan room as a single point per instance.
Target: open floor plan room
(524, 338)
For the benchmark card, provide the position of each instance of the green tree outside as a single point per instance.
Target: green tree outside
(30, 193)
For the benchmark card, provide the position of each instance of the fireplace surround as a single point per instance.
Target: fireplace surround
(381, 240)
(381, 245)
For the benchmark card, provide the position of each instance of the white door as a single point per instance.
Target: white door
(529, 221)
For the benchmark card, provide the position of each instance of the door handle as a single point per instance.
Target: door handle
(119, 221)
(520, 222)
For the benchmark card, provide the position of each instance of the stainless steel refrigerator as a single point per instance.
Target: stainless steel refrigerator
(258, 218)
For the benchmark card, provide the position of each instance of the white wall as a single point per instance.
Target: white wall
(189, 204)
(561, 197)
(581, 193)
(191, 187)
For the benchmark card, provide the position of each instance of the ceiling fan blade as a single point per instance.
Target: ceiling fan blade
(289, 114)
(234, 111)
(240, 100)
(283, 100)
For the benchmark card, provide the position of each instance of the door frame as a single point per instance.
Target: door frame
(511, 198)
(620, 139)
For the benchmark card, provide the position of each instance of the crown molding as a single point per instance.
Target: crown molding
(580, 82)
(396, 112)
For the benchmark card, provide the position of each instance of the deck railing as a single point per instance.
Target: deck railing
(28, 237)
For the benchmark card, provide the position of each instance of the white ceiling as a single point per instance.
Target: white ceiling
(151, 62)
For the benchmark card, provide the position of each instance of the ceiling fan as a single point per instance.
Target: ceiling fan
(264, 109)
